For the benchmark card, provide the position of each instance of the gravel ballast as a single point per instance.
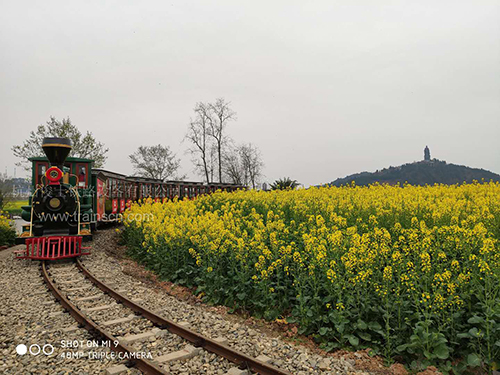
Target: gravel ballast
(30, 315)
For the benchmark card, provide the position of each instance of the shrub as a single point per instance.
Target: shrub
(7, 233)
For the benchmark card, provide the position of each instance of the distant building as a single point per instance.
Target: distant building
(427, 154)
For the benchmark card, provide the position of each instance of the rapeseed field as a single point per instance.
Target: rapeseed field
(411, 272)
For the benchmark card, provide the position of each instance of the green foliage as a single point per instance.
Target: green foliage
(84, 146)
(5, 187)
(284, 184)
(155, 162)
(15, 207)
(7, 233)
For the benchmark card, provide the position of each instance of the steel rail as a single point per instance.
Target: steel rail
(146, 366)
(198, 340)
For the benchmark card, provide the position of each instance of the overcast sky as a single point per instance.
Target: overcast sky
(323, 88)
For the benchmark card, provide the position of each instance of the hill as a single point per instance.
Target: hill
(420, 173)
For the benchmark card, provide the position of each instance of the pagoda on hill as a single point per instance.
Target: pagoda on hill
(427, 154)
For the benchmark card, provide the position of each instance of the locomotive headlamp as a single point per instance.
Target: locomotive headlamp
(54, 174)
(55, 203)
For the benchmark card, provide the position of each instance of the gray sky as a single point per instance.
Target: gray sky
(323, 88)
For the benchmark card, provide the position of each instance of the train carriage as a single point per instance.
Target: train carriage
(113, 191)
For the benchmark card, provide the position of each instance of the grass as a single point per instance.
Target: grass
(14, 207)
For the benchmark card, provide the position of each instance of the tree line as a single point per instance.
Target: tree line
(216, 157)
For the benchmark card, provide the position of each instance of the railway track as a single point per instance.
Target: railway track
(89, 299)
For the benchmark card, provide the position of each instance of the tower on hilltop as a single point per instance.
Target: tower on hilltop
(427, 154)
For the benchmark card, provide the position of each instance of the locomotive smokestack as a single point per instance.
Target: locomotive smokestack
(57, 150)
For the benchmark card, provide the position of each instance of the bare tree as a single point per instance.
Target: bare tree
(220, 115)
(207, 133)
(252, 164)
(155, 162)
(243, 165)
(198, 135)
(233, 170)
(212, 161)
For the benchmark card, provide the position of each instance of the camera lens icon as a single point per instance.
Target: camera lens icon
(48, 349)
(35, 349)
(21, 349)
